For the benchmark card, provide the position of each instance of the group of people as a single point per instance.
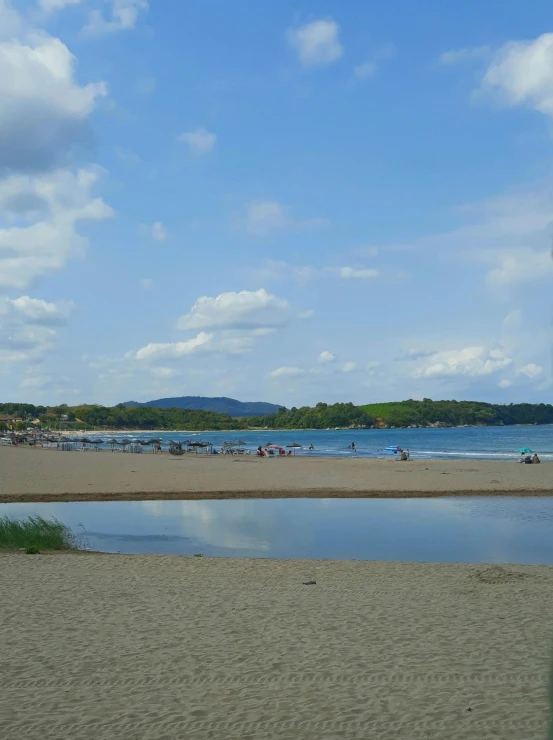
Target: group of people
(527, 460)
(260, 452)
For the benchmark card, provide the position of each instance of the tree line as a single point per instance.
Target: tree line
(322, 416)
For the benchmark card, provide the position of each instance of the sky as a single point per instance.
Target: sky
(283, 201)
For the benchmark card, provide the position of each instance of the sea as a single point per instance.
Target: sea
(458, 443)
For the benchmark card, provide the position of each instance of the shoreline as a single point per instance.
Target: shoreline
(320, 493)
(408, 651)
(43, 475)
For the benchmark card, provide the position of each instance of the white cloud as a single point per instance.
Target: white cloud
(361, 274)
(531, 370)
(522, 265)
(122, 15)
(41, 214)
(317, 43)
(521, 73)
(10, 21)
(504, 383)
(286, 372)
(244, 310)
(35, 381)
(25, 327)
(470, 361)
(147, 283)
(264, 218)
(38, 311)
(200, 140)
(326, 356)
(173, 349)
(49, 6)
(513, 320)
(364, 71)
(156, 231)
(349, 367)
(43, 112)
(463, 55)
(163, 372)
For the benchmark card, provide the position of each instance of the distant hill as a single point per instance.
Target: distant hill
(221, 405)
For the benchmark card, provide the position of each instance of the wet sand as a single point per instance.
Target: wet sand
(28, 474)
(97, 647)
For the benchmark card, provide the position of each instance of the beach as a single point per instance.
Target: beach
(29, 474)
(110, 646)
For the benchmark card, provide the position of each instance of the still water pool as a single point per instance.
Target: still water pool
(462, 529)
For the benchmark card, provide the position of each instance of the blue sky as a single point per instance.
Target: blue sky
(280, 201)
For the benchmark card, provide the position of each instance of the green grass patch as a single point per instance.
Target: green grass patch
(35, 534)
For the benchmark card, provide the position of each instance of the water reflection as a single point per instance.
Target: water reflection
(506, 529)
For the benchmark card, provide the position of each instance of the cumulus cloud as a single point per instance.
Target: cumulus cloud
(348, 273)
(44, 112)
(463, 55)
(513, 320)
(531, 370)
(244, 310)
(38, 311)
(469, 361)
(10, 21)
(157, 231)
(349, 367)
(286, 372)
(521, 73)
(511, 266)
(326, 356)
(163, 372)
(173, 349)
(26, 323)
(50, 6)
(317, 43)
(364, 71)
(504, 383)
(41, 216)
(199, 141)
(122, 15)
(264, 218)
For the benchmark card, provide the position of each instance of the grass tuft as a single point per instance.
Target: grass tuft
(35, 534)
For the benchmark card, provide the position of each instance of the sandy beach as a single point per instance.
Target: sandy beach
(29, 474)
(109, 646)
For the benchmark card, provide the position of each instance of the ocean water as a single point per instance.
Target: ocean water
(462, 529)
(484, 443)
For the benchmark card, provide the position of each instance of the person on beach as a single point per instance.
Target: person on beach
(535, 459)
(352, 446)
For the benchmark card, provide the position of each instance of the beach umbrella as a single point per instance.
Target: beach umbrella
(524, 451)
(240, 443)
(393, 448)
(294, 446)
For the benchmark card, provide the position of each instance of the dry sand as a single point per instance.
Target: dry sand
(104, 647)
(28, 474)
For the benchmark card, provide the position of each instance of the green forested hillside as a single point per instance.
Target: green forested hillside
(456, 413)
(220, 405)
(322, 416)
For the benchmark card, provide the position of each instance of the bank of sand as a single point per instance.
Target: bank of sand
(28, 474)
(97, 647)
